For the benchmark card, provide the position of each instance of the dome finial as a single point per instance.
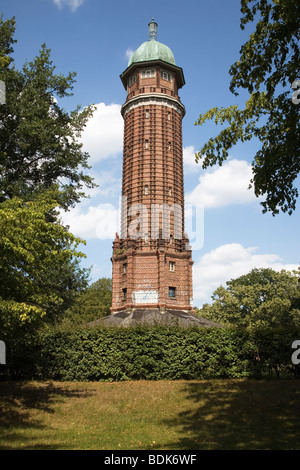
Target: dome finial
(152, 29)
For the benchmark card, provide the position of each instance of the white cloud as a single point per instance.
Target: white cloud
(102, 138)
(229, 262)
(99, 271)
(73, 4)
(100, 221)
(109, 185)
(224, 185)
(103, 134)
(129, 52)
(189, 159)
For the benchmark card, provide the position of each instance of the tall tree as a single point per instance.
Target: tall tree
(268, 69)
(35, 251)
(261, 298)
(39, 143)
(90, 305)
(42, 166)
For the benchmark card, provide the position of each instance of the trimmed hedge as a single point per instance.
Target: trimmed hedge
(114, 354)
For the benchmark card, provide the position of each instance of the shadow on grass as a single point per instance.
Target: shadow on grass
(18, 400)
(227, 415)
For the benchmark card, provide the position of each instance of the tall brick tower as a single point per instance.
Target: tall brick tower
(152, 260)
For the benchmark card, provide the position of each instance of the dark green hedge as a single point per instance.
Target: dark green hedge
(113, 354)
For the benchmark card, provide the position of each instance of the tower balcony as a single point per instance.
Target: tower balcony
(121, 246)
(151, 89)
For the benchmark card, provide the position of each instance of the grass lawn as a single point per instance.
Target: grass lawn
(172, 415)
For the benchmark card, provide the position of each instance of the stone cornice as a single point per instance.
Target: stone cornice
(148, 99)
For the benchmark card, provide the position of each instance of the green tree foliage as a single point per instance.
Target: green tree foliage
(42, 168)
(39, 143)
(6, 41)
(262, 298)
(267, 68)
(90, 305)
(67, 278)
(32, 247)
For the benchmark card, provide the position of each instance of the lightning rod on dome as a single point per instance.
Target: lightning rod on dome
(152, 29)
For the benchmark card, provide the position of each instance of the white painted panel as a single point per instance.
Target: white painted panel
(145, 297)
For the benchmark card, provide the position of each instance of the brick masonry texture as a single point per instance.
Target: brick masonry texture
(152, 271)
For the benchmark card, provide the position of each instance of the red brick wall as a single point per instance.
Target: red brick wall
(152, 157)
(148, 279)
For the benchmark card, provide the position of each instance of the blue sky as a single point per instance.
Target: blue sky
(229, 235)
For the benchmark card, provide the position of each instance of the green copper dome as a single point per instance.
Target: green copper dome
(152, 49)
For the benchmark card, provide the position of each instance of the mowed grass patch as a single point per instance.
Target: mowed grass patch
(181, 415)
